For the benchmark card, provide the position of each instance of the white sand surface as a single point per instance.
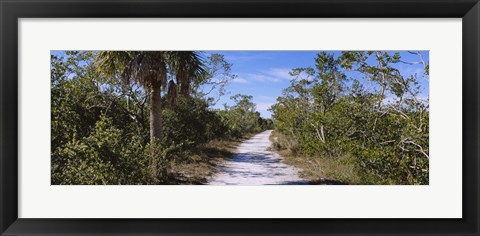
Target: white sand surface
(252, 164)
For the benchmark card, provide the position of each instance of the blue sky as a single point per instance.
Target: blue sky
(264, 74)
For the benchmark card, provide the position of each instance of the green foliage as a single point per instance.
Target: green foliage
(190, 122)
(100, 123)
(241, 118)
(101, 131)
(325, 115)
(105, 156)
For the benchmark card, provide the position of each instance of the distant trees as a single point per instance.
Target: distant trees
(241, 117)
(381, 130)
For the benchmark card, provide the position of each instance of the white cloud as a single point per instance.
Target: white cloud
(269, 75)
(262, 77)
(239, 80)
(281, 73)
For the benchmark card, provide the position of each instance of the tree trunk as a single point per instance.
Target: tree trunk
(156, 128)
(156, 131)
(383, 92)
(380, 65)
(172, 93)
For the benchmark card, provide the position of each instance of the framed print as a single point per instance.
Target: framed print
(250, 118)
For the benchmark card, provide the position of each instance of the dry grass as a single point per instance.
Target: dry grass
(318, 170)
(202, 162)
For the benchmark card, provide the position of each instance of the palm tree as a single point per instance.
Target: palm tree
(187, 67)
(149, 69)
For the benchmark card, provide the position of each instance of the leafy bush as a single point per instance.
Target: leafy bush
(103, 157)
(324, 115)
(190, 122)
(100, 122)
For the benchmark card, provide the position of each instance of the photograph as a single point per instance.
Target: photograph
(275, 117)
(239, 117)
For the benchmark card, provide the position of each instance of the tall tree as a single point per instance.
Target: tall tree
(152, 69)
(149, 69)
(188, 67)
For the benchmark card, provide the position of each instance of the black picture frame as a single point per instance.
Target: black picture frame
(12, 10)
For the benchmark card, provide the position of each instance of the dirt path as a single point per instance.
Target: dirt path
(252, 164)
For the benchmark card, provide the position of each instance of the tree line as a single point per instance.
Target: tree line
(374, 124)
(123, 117)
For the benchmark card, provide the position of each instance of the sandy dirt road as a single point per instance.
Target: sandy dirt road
(252, 164)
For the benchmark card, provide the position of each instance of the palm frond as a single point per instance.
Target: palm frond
(110, 62)
(188, 66)
(147, 69)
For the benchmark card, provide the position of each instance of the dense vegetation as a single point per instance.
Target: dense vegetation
(140, 117)
(375, 134)
(127, 117)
